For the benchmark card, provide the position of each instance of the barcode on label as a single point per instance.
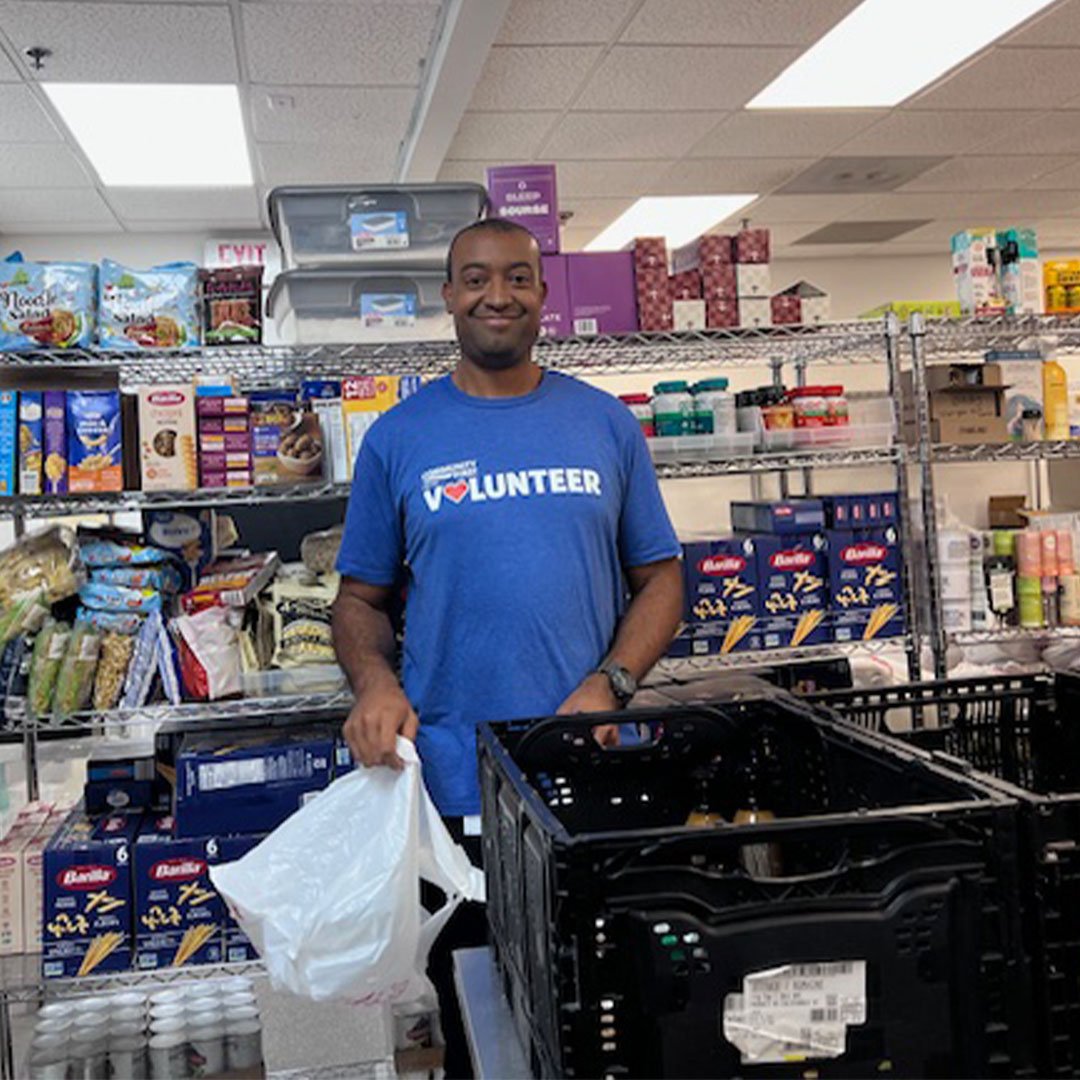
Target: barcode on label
(227, 774)
(820, 1016)
(812, 971)
(586, 326)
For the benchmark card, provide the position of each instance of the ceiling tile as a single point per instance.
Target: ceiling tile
(783, 134)
(472, 172)
(783, 209)
(783, 235)
(111, 42)
(323, 163)
(498, 135)
(42, 165)
(9, 72)
(377, 118)
(535, 79)
(234, 206)
(1056, 132)
(1009, 207)
(1066, 178)
(563, 22)
(980, 173)
(1016, 79)
(23, 119)
(907, 206)
(735, 22)
(1059, 26)
(626, 135)
(715, 176)
(678, 78)
(575, 239)
(1056, 230)
(935, 232)
(608, 178)
(597, 213)
(926, 132)
(835, 251)
(20, 207)
(360, 44)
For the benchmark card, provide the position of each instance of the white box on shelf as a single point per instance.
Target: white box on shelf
(689, 314)
(755, 310)
(753, 279)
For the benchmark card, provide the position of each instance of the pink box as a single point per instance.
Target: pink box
(786, 310)
(721, 314)
(702, 253)
(719, 282)
(686, 286)
(752, 246)
(602, 292)
(650, 253)
(555, 320)
(654, 300)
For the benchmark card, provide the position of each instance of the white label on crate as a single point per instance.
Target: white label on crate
(796, 1012)
(586, 326)
(379, 230)
(227, 774)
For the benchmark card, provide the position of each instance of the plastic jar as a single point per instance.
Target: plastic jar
(641, 406)
(777, 413)
(836, 406)
(810, 408)
(673, 409)
(714, 408)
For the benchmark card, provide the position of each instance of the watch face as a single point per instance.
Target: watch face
(622, 682)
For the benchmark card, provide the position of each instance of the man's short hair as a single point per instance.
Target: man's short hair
(491, 224)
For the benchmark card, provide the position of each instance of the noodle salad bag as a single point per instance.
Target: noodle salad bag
(46, 305)
(148, 309)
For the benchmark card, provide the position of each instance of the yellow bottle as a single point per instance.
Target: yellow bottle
(1055, 402)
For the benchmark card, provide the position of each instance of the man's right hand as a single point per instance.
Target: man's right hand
(381, 713)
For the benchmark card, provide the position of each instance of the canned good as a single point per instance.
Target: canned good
(170, 996)
(167, 1010)
(235, 984)
(129, 999)
(49, 1058)
(673, 409)
(1072, 296)
(714, 408)
(168, 1056)
(243, 1045)
(240, 997)
(85, 1005)
(212, 1006)
(1057, 298)
(207, 1041)
(1029, 601)
(198, 991)
(241, 1014)
(130, 1015)
(127, 1057)
(54, 1025)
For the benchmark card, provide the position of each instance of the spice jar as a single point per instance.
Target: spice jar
(836, 406)
(809, 404)
(777, 413)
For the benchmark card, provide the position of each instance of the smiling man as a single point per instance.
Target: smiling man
(520, 510)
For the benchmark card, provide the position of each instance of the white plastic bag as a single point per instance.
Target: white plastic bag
(331, 898)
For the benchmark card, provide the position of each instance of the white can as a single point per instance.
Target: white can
(204, 989)
(240, 1014)
(55, 1025)
(90, 1025)
(129, 999)
(52, 1009)
(243, 1045)
(122, 1017)
(49, 1058)
(238, 999)
(85, 1005)
(207, 1006)
(207, 1039)
(88, 1057)
(168, 1055)
(170, 1025)
(127, 1058)
(169, 996)
(235, 984)
(167, 1010)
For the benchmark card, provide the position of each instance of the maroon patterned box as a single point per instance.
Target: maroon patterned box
(650, 254)
(752, 246)
(786, 310)
(719, 282)
(686, 286)
(654, 299)
(721, 314)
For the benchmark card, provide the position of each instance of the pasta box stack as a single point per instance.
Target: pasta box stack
(799, 572)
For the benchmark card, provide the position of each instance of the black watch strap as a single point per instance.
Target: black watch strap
(623, 684)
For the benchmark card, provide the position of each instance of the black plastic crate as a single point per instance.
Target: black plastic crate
(622, 932)
(1025, 730)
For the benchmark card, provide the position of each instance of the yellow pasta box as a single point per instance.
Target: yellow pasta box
(178, 914)
(364, 399)
(722, 599)
(793, 582)
(86, 927)
(866, 587)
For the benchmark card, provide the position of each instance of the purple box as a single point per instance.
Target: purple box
(54, 442)
(526, 194)
(602, 292)
(555, 319)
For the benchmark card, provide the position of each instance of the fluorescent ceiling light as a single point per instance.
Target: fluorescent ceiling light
(678, 218)
(883, 52)
(157, 135)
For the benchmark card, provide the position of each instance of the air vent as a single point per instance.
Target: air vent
(858, 175)
(859, 232)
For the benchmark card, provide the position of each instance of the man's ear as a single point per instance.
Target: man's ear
(446, 290)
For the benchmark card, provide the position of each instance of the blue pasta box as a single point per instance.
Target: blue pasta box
(793, 584)
(30, 440)
(722, 593)
(865, 584)
(320, 389)
(238, 946)
(343, 759)
(178, 913)
(94, 438)
(9, 441)
(88, 896)
(233, 784)
(780, 516)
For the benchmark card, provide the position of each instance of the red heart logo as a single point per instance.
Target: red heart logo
(457, 491)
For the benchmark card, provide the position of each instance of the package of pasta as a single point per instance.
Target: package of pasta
(144, 663)
(24, 614)
(106, 552)
(209, 648)
(103, 597)
(112, 669)
(168, 665)
(49, 648)
(302, 632)
(148, 309)
(47, 562)
(46, 305)
(111, 622)
(164, 578)
(76, 679)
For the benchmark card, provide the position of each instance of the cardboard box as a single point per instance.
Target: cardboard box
(54, 442)
(364, 398)
(961, 376)
(719, 282)
(755, 311)
(793, 583)
(721, 594)
(706, 251)
(751, 246)
(753, 279)
(801, 303)
(238, 946)
(1021, 273)
(191, 535)
(33, 881)
(95, 441)
(119, 783)
(245, 784)
(650, 254)
(555, 320)
(88, 896)
(601, 285)
(1022, 372)
(179, 915)
(285, 440)
(655, 306)
(1003, 511)
(783, 517)
(965, 430)
(686, 286)
(527, 195)
(861, 511)
(688, 314)
(786, 310)
(168, 460)
(865, 583)
(974, 265)
(12, 896)
(31, 422)
(224, 432)
(9, 441)
(721, 314)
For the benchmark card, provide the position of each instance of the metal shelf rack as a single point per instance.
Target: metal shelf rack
(984, 452)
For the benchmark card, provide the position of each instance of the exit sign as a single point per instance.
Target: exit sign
(244, 252)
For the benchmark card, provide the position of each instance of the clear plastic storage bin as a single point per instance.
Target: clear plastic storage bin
(380, 225)
(670, 449)
(343, 306)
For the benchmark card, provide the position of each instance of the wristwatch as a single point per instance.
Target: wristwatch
(623, 684)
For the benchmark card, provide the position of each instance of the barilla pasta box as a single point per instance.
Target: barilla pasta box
(722, 592)
(364, 399)
(238, 946)
(233, 784)
(87, 913)
(178, 912)
(31, 417)
(865, 584)
(343, 759)
(793, 584)
(9, 441)
(54, 442)
(779, 516)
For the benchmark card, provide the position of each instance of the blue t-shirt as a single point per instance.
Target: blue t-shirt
(513, 518)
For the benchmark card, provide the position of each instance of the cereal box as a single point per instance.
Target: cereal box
(793, 578)
(364, 399)
(167, 437)
(33, 881)
(54, 442)
(31, 416)
(722, 591)
(12, 897)
(9, 437)
(178, 913)
(286, 440)
(865, 584)
(95, 442)
(87, 912)
(224, 441)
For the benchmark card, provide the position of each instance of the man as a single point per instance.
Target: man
(515, 505)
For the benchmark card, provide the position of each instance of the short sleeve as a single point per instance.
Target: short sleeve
(646, 534)
(373, 543)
